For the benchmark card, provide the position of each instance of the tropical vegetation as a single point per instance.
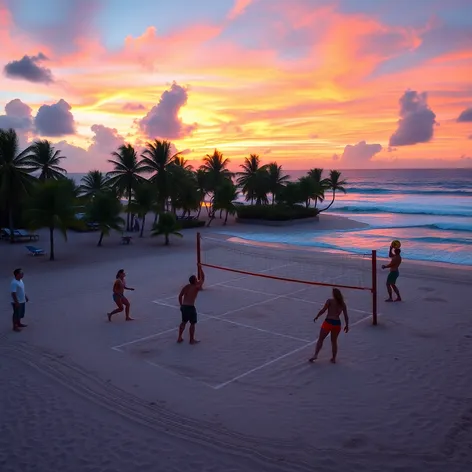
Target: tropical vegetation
(35, 191)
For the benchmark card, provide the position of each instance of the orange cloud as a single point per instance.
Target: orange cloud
(305, 88)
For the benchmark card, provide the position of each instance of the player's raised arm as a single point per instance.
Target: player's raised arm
(201, 280)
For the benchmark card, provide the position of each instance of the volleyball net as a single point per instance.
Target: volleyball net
(287, 264)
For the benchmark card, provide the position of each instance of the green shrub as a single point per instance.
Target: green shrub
(275, 212)
(187, 224)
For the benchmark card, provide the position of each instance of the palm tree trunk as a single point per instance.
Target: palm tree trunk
(101, 239)
(51, 243)
(142, 226)
(332, 201)
(167, 239)
(212, 217)
(226, 218)
(129, 206)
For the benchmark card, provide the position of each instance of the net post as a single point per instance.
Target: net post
(374, 287)
(199, 256)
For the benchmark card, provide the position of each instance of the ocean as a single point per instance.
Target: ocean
(428, 210)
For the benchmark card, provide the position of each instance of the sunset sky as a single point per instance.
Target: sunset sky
(335, 84)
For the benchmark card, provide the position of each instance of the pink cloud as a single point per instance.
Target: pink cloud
(239, 8)
(163, 120)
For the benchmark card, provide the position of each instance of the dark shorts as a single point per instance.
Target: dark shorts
(392, 277)
(119, 299)
(189, 314)
(332, 326)
(18, 311)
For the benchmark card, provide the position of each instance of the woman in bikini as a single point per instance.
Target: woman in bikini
(119, 298)
(332, 323)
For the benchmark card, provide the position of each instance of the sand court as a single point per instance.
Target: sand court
(245, 330)
(399, 395)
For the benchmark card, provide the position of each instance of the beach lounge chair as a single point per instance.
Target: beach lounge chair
(21, 233)
(36, 251)
(5, 233)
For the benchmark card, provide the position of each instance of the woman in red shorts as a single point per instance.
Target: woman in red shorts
(332, 323)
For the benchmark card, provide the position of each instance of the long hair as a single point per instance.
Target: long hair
(338, 296)
(119, 273)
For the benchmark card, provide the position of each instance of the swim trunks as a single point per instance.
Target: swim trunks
(392, 277)
(117, 298)
(189, 314)
(18, 311)
(331, 325)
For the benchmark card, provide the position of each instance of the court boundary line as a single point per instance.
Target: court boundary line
(236, 323)
(209, 317)
(273, 361)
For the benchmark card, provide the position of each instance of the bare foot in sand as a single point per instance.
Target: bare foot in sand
(129, 319)
(333, 361)
(389, 300)
(194, 341)
(312, 359)
(109, 316)
(180, 340)
(398, 299)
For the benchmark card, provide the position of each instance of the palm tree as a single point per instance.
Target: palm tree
(335, 184)
(126, 174)
(202, 186)
(104, 211)
(291, 194)
(216, 168)
(316, 174)
(16, 180)
(52, 206)
(276, 179)
(225, 195)
(248, 178)
(94, 182)
(321, 184)
(166, 226)
(185, 193)
(307, 187)
(260, 181)
(157, 157)
(143, 202)
(180, 161)
(46, 159)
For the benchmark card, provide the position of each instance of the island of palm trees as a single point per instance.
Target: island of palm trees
(35, 191)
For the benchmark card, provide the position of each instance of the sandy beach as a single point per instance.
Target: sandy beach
(78, 393)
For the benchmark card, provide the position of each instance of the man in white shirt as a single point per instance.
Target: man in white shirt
(18, 295)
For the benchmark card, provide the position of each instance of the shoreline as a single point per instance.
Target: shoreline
(326, 223)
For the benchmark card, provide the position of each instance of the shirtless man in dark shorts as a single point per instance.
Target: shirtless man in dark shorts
(332, 323)
(119, 298)
(187, 297)
(393, 274)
